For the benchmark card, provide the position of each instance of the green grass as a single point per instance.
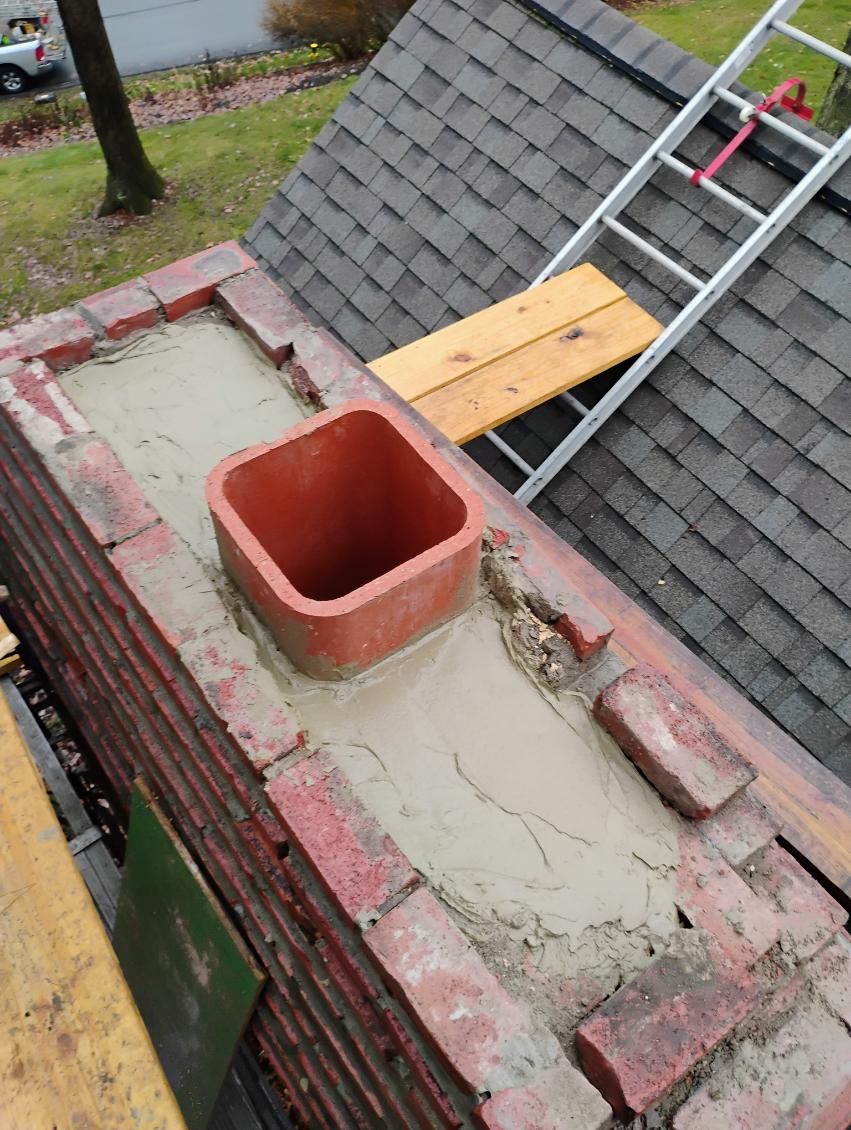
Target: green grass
(711, 29)
(222, 169)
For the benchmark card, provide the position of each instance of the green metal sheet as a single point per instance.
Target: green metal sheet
(194, 980)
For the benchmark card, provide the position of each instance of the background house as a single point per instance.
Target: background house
(719, 497)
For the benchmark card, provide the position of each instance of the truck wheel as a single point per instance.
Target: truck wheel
(12, 80)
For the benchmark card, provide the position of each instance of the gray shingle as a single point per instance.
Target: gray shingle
(823, 498)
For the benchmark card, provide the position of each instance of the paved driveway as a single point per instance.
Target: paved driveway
(149, 34)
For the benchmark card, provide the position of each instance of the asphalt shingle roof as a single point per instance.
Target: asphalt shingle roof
(719, 497)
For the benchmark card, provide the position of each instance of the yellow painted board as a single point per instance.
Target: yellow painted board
(73, 1049)
(460, 349)
(514, 384)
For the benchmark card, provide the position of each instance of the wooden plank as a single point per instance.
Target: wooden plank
(426, 365)
(193, 976)
(73, 1049)
(514, 384)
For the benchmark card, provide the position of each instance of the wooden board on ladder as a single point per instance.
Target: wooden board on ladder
(497, 364)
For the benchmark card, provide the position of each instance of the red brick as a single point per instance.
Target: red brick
(741, 828)
(791, 1068)
(320, 363)
(103, 493)
(562, 1099)
(38, 408)
(243, 695)
(360, 867)
(123, 309)
(263, 311)
(660, 1025)
(168, 584)
(714, 898)
(60, 339)
(482, 1033)
(808, 915)
(672, 742)
(189, 284)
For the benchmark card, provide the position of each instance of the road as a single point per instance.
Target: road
(148, 35)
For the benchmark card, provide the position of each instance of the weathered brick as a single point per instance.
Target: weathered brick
(562, 1099)
(189, 283)
(39, 409)
(809, 917)
(673, 743)
(714, 898)
(263, 311)
(60, 339)
(741, 828)
(483, 1033)
(659, 1026)
(355, 861)
(104, 495)
(123, 309)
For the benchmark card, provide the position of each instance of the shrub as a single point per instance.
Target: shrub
(349, 28)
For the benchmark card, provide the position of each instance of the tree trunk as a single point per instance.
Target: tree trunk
(835, 116)
(132, 183)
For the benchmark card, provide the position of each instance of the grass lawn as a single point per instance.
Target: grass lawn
(711, 29)
(221, 168)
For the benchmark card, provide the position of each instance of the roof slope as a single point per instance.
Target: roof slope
(720, 496)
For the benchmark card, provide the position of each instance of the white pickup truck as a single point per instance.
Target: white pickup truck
(20, 63)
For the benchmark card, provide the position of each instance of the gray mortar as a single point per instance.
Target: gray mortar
(473, 747)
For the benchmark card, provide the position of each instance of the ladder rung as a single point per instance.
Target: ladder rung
(510, 453)
(710, 186)
(811, 42)
(798, 135)
(570, 400)
(649, 249)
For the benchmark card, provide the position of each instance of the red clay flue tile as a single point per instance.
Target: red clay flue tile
(264, 312)
(562, 1099)
(672, 742)
(189, 284)
(659, 1026)
(123, 309)
(741, 828)
(464, 1012)
(60, 339)
(303, 529)
(358, 864)
(714, 898)
(809, 916)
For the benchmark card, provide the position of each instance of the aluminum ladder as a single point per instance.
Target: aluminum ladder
(707, 292)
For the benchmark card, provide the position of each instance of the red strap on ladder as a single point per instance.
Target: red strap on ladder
(778, 97)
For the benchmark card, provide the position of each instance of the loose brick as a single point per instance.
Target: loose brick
(562, 1099)
(741, 828)
(355, 861)
(189, 284)
(672, 742)
(264, 312)
(483, 1033)
(659, 1026)
(123, 309)
(809, 917)
(792, 1066)
(714, 898)
(39, 409)
(60, 340)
